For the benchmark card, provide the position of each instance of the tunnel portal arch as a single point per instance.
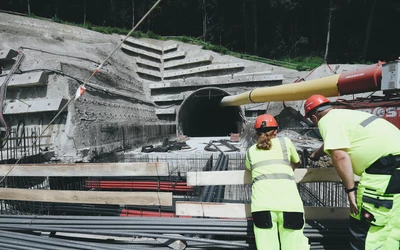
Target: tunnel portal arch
(200, 115)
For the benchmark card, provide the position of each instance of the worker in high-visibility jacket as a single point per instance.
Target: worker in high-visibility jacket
(366, 145)
(276, 206)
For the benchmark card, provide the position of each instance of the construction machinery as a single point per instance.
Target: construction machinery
(380, 84)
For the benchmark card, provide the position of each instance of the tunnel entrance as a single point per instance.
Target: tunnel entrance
(200, 115)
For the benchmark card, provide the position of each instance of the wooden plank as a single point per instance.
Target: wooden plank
(237, 210)
(235, 177)
(88, 197)
(87, 169)
(212, 209)
(239, 177)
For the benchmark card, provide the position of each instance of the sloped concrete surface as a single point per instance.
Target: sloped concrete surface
(118, 105)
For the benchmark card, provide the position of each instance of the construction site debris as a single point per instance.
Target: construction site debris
(166, 146)
(217, 146)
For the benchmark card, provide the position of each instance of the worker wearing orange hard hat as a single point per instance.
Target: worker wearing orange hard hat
(368, 146)
(278, 217)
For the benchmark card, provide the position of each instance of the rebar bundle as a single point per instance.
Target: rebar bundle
(235, 233)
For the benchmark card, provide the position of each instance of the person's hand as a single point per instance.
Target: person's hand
(314, 156)
(353, 205)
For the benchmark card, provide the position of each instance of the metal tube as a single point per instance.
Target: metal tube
(221, 189)
(362, 80)
(22, 244)
(122, 233)
(211, 194)
(13, 246)
(62, 242)
(205, 196)
(101, 220)
(326, 86)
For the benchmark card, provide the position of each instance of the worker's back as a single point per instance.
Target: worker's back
(275, 189)
(365, 139)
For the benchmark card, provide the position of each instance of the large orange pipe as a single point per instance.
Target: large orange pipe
(358, 81)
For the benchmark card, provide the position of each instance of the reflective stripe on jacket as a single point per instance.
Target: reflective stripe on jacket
(274, 187)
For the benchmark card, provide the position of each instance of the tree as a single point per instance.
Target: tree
(113, 14)
(255, 26)
(245, 25)
(368, 29)
(272, 28)
(329, 32)
(29, 8)
(84, 12)
(133, 13)
(56, 11)
(204, 19)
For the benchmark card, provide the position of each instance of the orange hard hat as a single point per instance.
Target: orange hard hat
(314, 101)
(265, 121)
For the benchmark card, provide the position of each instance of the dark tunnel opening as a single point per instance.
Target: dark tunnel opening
(200, 115)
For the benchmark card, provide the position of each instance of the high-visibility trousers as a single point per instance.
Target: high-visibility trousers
(377, 226)
(288, 239)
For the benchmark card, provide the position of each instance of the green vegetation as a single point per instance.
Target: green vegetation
(306, 62)
(299, 63)
(270, 29)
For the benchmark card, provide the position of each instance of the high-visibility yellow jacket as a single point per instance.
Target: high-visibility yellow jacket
(274, 187)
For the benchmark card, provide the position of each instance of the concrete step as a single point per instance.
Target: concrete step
(26, 80)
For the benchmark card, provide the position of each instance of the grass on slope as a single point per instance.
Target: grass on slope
(298, 63)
